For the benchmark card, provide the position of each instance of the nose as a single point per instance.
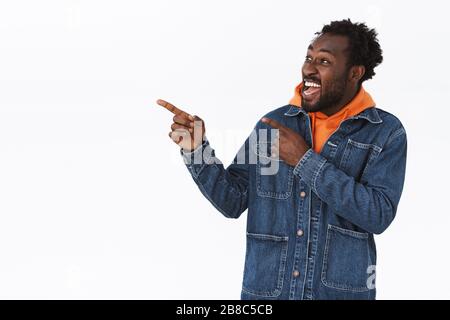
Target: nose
(309, 70)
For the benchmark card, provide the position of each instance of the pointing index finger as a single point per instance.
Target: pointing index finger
(173, 109)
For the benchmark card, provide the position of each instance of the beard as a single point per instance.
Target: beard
(332, 96)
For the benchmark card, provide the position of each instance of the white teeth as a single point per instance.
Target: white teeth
(312, 84)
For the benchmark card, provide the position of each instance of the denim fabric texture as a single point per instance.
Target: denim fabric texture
(310, 228)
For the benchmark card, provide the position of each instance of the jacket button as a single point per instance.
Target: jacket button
(303, 194)
(299, 232)
(296, 274)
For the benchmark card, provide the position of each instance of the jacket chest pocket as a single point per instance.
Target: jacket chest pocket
(274, 178)
(357, 156)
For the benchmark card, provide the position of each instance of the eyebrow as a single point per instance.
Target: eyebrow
(310, 47)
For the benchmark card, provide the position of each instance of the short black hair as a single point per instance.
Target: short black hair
(364, 48)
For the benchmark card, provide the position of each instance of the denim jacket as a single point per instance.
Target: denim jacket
(310, 228)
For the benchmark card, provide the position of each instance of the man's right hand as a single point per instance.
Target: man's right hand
(187, 131)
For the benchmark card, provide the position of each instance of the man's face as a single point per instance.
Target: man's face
(325, 73)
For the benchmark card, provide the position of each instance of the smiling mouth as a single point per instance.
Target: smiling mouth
(310, 89)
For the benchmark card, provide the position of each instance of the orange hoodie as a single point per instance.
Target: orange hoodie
(322, 125)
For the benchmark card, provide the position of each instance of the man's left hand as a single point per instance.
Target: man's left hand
(291, 145)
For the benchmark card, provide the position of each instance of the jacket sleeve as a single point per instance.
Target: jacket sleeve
(370, 203)
(226, 189)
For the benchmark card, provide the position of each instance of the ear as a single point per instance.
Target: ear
(356, 73)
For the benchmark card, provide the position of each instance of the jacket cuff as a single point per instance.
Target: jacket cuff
(203, 154)
(309, 167)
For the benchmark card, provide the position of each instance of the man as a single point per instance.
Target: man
(338, 167)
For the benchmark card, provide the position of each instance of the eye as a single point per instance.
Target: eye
(325, 61)
(308, 59)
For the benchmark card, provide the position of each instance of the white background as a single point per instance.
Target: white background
(95, 201)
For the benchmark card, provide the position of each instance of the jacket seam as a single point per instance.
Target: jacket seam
(317, 174)
(395, 135)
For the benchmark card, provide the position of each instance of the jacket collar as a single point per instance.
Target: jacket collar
(370, 114)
